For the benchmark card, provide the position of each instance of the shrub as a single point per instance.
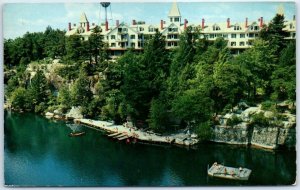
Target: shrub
(268, 105)
(204, 131)
(40, 107)
(260, 120)
(233, 121)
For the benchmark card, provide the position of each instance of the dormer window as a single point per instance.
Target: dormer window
(237, 28)
(215, 28)
(151, 29)
(173, 29)
(254, 28)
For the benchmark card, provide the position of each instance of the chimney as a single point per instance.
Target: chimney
(246, 23)
(70, 26)
(88, 26)
(261, 21)
(133, 22)
(203, 21)
(228, 23)
(106, 26)
(185, 23)
(117, 23)
(161, 24)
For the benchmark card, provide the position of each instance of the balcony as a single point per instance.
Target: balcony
(122, 40)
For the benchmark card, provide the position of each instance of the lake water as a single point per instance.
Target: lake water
(39, 152)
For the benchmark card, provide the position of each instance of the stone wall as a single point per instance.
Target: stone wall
(238, 134)
(264, 137)
(278, 133)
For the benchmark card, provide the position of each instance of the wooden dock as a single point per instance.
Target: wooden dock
(221, 171)
(122, 132)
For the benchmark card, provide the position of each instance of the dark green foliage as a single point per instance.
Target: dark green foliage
(158, 116)
(19, 99)
(34, 46)
(260, 120)
(234, 120)
(284, 76)
(80, 92)
(64, 97)
(274, 33)
(39, 88)
(268, 105)
(204, 131)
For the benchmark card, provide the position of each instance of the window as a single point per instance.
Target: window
(172, 44)
(172, 36)
(151, 29)
(219, 35)
(171, 19)
(176, 19)
(140, 44)
(211, 35)
(225, 35)
(112, 37)
(242, 43)
(173, 29)
(132, 44)
(254, 28)
(113, 45)
(132, 37)
(237, 28)
(216, 28)
(242, 35)
(294, 35)
(233, 44)
(233, 35)
(251, 35)
(141, 29)
(250, 43)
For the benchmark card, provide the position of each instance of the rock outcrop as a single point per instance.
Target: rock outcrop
(74, 113)
(280, 132)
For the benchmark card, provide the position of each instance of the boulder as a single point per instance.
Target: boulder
(269, 114)
(49, 114)
(245, 115)
(74, 113)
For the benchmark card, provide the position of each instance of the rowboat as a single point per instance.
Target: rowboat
(225, 172)
(73, 134)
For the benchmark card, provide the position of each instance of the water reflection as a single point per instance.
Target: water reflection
(39, 152)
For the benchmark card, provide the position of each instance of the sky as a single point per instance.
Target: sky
(18, 18)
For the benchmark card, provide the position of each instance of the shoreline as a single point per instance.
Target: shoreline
(179, 139)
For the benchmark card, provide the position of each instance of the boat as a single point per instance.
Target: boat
(75, 134)
(225, 172)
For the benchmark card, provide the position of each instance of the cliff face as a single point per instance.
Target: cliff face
(245, 133)
(238, 134)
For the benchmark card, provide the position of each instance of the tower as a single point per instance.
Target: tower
(174, 14)
(280, 10)
(84, 23)
(105, 5)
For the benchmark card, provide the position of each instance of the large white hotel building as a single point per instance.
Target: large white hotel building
(122, 36)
